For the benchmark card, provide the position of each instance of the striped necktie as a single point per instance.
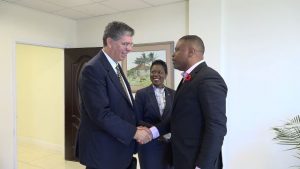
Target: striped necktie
(121, 79)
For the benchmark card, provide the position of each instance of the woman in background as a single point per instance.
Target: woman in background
(153, 104)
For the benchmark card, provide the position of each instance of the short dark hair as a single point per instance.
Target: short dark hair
(160, 62)
(116, 30)
(195, 40)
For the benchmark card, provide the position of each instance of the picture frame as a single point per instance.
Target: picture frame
(136, 66)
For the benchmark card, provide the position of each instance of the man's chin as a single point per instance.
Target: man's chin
(178, 67)
(121, 58)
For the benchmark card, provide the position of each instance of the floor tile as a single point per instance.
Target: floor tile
(35, 157)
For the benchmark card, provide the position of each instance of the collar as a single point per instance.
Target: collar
(184, 74)
(111, 61)
(157, 88)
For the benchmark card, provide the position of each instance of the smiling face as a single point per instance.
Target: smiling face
(158, 75)
(118, 49)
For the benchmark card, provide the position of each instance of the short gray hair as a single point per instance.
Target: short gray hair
(116, 30)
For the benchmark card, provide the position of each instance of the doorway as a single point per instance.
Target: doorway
(40, 107)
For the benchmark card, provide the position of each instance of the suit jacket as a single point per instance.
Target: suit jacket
(198, 121)
(155, 154)
(107, 122)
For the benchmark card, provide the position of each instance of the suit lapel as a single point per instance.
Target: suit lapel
(185, 85)
(113, 76)
(153, 100)
(177, 90)
(168, 104)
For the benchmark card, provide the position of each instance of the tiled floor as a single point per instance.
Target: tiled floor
(36, 157)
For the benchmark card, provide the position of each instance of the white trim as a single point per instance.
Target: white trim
(38, 44)
(14, 93)
(14, 104)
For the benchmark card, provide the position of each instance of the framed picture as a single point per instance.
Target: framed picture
(137, 64)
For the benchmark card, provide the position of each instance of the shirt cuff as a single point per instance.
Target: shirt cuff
(155, 132)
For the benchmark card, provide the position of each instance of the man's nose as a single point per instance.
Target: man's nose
(129, 47)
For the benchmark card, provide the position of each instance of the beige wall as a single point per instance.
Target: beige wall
(40, 94)
(29, 26)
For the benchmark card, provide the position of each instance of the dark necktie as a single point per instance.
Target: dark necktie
(120, 77)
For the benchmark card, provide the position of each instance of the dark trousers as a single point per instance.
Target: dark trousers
(131, 166)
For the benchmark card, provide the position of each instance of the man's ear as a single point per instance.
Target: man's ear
(109, 42)
(192, 51)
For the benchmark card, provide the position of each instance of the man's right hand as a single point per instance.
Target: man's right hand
(143, 135)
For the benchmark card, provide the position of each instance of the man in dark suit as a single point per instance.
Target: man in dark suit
(198, 121)
(153, 105)
(108, 122)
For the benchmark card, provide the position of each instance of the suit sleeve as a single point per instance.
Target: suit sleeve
(212, 99)
(93, 91)
(164, 126)
(139, 106)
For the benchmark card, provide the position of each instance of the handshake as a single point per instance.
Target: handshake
(143, 135)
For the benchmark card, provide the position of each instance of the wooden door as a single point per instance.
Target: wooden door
(74, 60)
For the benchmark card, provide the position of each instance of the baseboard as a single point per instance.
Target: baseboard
(40, 143)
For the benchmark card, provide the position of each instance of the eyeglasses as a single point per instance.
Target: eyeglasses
(127, 44)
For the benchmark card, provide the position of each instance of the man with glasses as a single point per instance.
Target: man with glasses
(107, 134)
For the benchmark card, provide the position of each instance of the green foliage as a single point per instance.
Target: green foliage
(289, 134)
(145, 59)
(139, 75)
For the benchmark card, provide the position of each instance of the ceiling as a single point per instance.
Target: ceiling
(82, 9)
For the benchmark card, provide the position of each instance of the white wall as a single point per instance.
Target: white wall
(164, 23)
(24, 25)
(255, 46)
(205, 21)
(262, 57)
(253, 43)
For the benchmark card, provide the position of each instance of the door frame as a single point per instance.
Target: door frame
(14, 90)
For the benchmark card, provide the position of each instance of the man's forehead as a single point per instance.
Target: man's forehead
(126, 38)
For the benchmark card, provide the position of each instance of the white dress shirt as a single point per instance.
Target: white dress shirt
(114, 65)
(160, 98)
